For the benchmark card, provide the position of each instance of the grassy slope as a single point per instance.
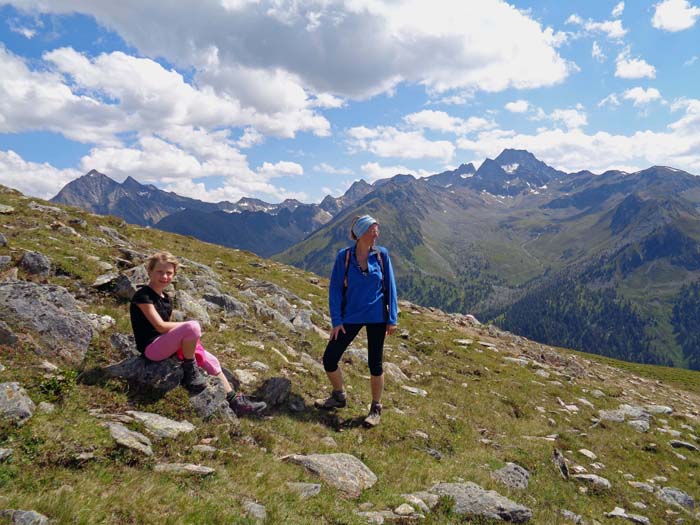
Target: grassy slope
(473, 395)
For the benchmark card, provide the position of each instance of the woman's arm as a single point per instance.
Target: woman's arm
(390, 284)
(155, 319)
(335, 290)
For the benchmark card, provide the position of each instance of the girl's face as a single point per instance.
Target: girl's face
(371, 234)
(162, 274)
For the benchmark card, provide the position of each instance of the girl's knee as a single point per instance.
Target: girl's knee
(192, 330)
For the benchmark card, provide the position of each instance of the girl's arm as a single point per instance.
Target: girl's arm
(155, 319)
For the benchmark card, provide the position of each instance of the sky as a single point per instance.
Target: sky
(276, 99)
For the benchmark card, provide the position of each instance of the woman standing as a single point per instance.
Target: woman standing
(362, 293)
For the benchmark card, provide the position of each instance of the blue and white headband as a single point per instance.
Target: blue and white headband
(362, 225)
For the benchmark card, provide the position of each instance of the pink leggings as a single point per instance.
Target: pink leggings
(171, 342)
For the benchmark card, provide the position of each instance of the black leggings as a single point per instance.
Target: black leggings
(375, 346)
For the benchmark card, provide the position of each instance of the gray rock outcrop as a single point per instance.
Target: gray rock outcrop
(130, 439)
(184, 469)
(512, 476)
(35, 263)
(674, 496)
(472, 501)
(230, 305)
(15, 405)
(24, 517)
(342, 471)
(52, 313)
(159, 426)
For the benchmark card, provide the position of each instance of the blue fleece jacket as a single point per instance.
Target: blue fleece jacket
(364, 298)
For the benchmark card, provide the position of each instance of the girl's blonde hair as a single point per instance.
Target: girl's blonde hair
(161, 257)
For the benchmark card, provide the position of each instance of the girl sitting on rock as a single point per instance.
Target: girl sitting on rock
(158, 338)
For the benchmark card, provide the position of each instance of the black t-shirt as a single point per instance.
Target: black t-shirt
(144, 332)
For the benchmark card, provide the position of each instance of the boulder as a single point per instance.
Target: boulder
(117, 283)
(125, 343)
(15, 405)
(230, 305)
(7, 336)
(160, 426)
(275, 391)
(270, 314)
(342, 471)
(130, 439)
(52, 313)
(6, 210)
(512, 476)
(394, 373)
(674, 496)
(474, 502)
(43, 208)
(255, 511)
(24, 517)
(35, 263)
(193, 308)
(596, 481)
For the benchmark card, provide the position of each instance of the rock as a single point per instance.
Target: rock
(424, 500)
(52, 313)
(24, 517)
(517, 360)
(232, 306)
(270, 314)
(356, 353)
(683, 444)
(245, 377)
(640, 425)
(415, 391)
(205, 449)
(255, 511)
(104, 266)
(15, 405)
(404, 510)
(590, 455)
(46, 408)
(674, 496)
(35, 263)
(3, 241)
(305, 490)
(596, 481)
(191, 307)
(512, 476)
(659, 409)
(160, 426)
(257, 365)
(476, 503)
(7, 336)
(184, 469)
(6, 210)
(619, 512)
(329, 442)
(302, 320)
(43, 208)
(5, 261)
(125, 343)
(463, 342)
(101, 323)
(130, 439)
(394, 373)
(5, 453)
(571, 516)
(342, 471)
(275, 391)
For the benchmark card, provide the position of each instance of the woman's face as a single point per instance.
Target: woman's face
(162, 274)
(371, 235)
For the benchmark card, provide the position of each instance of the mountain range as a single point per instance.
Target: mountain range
(599, 262)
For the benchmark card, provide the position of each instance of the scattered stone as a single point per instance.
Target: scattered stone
(104, 266)
(6, 210)
(404, 510)
(542, 373)
(420, 434)
(184, 469)
(231, 305)
(5, 261)
(640, 425)
(571, 516)
(35, 263)
(305, 490)
(245, 377)
(415, 391)
(424, 500)
(619, 512)
(43, 208)
(394, 373)
(257, 365)
(205, 449)
(125, 343)
(193, 308)
(683, 444)
(52, 313)
(585, 402)
(5, 453)
(596, 481)
(7, 336)
(329, 442)
(255, 511)
(46, 408)
(473, 501)
(130, 439)
(590, 455)
(160, 426)
(461, 342)
(517, 360)
(356, 353)
(659, 409)
(342, 471)
(3, 241)
(24, 517)
(597, 393)
(15, 405)
(101, 323)
(674, 496)
(512, 476)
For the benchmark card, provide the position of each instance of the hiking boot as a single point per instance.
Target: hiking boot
(337, 399)
(192, 378)
(244, 406)
(375, 414)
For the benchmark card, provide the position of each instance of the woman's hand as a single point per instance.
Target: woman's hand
(390, 329)
(335, 331)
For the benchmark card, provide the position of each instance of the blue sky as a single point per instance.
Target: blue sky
(220, 99)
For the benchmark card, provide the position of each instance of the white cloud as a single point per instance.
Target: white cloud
(640, 96)
(441, 121)
(387, 141)
(571, 118)
(251, 137)
(332, 170)
(627, 67)
(369, 47)
(675, 15)
(517, 106)
(618, 9)
(613, 29)
(597, 52)
(691, 61)
(610, 100)
(373, 171)
(32, 178)
(280, 169)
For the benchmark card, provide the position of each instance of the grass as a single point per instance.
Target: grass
(481, 411)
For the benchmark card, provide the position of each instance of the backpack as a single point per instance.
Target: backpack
(345, 280)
